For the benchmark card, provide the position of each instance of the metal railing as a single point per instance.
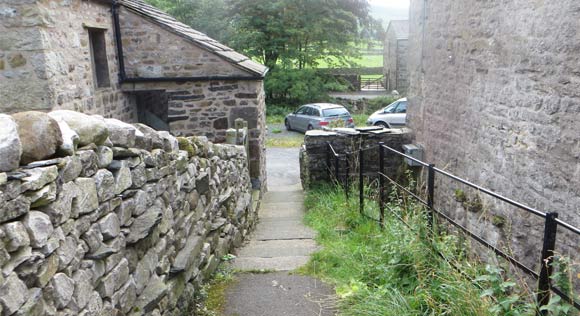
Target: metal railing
(551, 221)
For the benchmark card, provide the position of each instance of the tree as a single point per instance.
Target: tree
(298, 33)
(207, 16)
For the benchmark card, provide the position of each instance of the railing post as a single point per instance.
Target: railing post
(328, 168)
(361, 198)
(544, 284)
(430, 193)
(382, 183)
(336, 168)
(346, 174)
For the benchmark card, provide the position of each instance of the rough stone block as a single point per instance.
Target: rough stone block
(39, 134)
(63, 289)
(10, 144)
(114, 280)
(90, 129)
(39, 228)
(13, 294)
(16, 236)
(105, 182)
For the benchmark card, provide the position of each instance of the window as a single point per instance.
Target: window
(99, 57)
(335, 112)
(391, 107)
(402, 108)
(302, 110)
(312, 112)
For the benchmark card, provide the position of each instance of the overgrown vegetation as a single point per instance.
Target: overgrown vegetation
(295, 87)
(210, 299)
(395, 271)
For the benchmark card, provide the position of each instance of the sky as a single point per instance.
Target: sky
(390, 9)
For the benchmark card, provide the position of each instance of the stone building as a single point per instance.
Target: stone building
(127, 60)
(395, 57)
(495, 98)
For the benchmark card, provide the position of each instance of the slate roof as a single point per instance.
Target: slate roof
(400, 28)
(205, 42)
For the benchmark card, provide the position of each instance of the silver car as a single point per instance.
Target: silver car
(317, 116)
(393, 115)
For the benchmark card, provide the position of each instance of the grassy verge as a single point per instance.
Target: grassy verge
(285, 142)
(395, 271)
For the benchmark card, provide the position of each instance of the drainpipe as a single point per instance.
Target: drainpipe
(117, 27)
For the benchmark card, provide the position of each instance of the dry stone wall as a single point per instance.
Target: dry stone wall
(120, 220)
(495, 99)
(313, 153)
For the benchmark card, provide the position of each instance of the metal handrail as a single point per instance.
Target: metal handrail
(551, 219)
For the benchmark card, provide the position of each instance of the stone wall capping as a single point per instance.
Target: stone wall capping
(111, 229)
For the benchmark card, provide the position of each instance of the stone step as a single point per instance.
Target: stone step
(270, 264)
(283, 197)
(278, 248)
(282, 229)
(282, 210)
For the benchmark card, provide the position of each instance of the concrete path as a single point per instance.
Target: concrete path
(280, 243)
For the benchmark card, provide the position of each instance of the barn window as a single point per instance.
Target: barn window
(99, 57)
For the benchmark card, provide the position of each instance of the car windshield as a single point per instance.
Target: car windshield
(391, 107)
(335, 112)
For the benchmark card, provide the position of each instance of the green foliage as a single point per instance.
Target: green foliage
(386, 272)
(296, 87)
(207, 16)
(395, 271)
(460, 196)
(498, 221)
(275, 114)
(298, 33)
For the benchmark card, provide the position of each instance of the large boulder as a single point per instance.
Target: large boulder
(122, 134)
(10, 145)
(39, 134)
(90, 129)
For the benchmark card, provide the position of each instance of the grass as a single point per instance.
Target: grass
(360, 120)
(285, 142)
(385, 272)
(365, 61)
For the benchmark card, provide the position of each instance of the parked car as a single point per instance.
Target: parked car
(393, 115)
(318, 115)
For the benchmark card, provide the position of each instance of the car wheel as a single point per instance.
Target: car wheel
(288, 127)
(382, 124)
(310, 127)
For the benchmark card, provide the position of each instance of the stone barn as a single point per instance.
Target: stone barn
(395, 56)
(127, 60)
(495, 98)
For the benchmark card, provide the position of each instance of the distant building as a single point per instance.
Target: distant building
(128, 60)
(395, 57)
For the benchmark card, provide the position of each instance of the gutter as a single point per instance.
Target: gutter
(121, 60)
(186, 79)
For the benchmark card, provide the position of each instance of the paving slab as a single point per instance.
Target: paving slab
(279, 248)
(279, 294)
